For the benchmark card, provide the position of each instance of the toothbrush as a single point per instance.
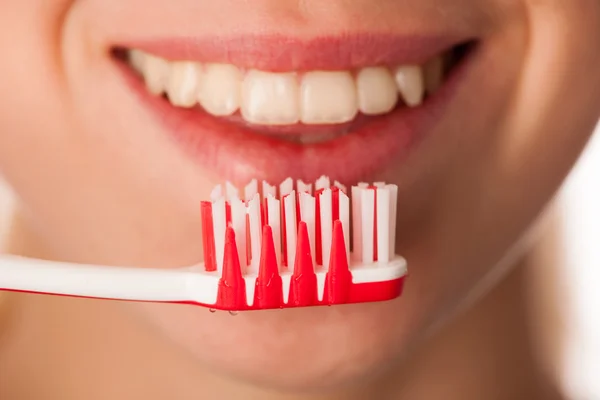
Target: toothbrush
(261, 251)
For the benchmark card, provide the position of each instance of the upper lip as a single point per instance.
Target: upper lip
(283, 53)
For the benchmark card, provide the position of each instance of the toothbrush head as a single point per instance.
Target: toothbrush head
(293, 250)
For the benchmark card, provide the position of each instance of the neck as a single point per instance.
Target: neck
(488, 351)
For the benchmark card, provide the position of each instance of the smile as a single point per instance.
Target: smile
(271, 121)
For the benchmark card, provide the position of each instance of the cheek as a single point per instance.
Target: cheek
(64, 153)
(502, 165)
(33, 104)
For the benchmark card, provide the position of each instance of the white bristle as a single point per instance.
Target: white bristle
(323, 183)
(340, 186)
(321, 278)
(255, 234)
(365, 207)
(383, 225)
(219, 224)
(216, 193)
(392, 217)
(290, 228)
(303, 187)
(367, 202)
(268, 190)
(356, 224)
(286, 187)
(345, 219)
(251, 190)
(286, 281)
(307, 214)
(231, 191)
(250, 288)
(238, 223)
(274, 221)
(325, 202)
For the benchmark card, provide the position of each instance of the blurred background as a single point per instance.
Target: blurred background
(579, 292)
(581, 205)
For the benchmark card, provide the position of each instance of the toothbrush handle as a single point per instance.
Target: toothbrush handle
(119, 283)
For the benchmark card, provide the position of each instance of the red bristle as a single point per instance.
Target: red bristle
(284, 260)
(208, 237)
(318, 249)
(264, 213)
(303, 286)
(227, 214)
(339, 278)
(232, 287)
(335, 203)
(248, 247)
(298, 211)
(374, 189)
(269, 286)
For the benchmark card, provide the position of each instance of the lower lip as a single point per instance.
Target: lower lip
(238, 154)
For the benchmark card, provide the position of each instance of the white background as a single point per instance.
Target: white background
(581, 201)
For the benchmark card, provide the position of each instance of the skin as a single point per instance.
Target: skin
(99, 181)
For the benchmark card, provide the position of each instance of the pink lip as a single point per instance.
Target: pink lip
(235, 152)
(277, 53)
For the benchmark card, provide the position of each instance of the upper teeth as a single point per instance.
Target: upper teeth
(269, 98)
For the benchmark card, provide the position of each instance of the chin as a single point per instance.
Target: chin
(316, 348)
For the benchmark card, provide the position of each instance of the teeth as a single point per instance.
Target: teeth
(156, 72)
(434, 74)
(410, 84)
(220, 90)
(377, 92)
(270, 98)
(184, 79)
(137, 60)
(328, 97)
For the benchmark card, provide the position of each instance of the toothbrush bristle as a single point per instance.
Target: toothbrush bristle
(269, 286)
(232, 289)
(303, 289)
(294, 250)
(208, 237)
(339, 276)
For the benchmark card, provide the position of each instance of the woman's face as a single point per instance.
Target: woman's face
(108, 173)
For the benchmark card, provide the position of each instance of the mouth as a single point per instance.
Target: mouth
(342, 108)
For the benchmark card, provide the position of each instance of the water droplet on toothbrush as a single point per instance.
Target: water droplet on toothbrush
(233, 313)
(212, 310)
